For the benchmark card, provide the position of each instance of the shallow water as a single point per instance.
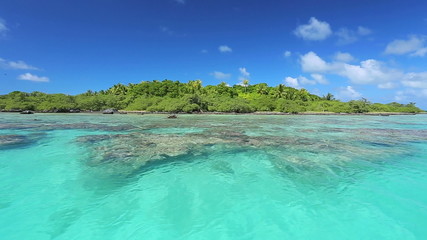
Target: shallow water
(83, 176)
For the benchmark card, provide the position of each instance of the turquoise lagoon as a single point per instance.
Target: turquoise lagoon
(87, 176)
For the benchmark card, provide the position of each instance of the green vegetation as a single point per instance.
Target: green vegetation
(174, 96)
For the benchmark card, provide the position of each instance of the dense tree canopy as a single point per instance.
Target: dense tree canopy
(174, 96)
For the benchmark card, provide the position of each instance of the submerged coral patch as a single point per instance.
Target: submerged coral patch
(18, 140)
(127, 153)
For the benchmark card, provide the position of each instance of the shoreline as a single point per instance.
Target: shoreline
(123, 112)
(275, 113)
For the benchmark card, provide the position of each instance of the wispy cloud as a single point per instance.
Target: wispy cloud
(406, 94)
(244, 74)
(287, 54)
(387, 85)
(363, 31)
(367, 72)
(32, 78)
(221, 75)
(415, 80)
(315, 30)
(167, 30)
(414, 46)
(225, 49)
(319, 78)
(292, 82)
(181, 1)
(343, 57)
(348, 93)
(3, 27)
(347, 36)
(301, 80)
(18, 65)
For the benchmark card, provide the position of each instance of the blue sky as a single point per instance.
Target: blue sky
(353, 49)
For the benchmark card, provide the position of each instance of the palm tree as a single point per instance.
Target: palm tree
(246, 84)
(329, 97)
(195, 86)
(365, 101)
(292, 94)
(280, 91)
(118, 89)
(89, 93)
(223, 85)
(304, 95)
(131, 85)
(262, 89)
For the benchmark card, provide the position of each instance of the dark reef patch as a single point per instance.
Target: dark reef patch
(19, 140)
(125, 154)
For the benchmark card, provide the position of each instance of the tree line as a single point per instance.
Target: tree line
(174, 96)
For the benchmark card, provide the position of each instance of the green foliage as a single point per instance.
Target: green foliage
(143, 103)
(168, 105)
(237, 105)
(328, 97)
(174, 96)
(289, 106)
(55, 102)
(263, 103)
(359, 106)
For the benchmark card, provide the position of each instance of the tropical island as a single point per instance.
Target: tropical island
(193, 97)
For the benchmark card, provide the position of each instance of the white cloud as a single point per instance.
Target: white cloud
(204, 51)
(244, 74)
(301, 80)
(387, 85)
(306, 81)
(420, 52)
(292, 82)
(224, 49)
(415, 80)
(315, 30)
(318, 78)
(410, 94)
(33, 78)
(221, 75)
(400, 96)
(310, 62)
(343, 57)
(348, 93)
(347, 36)
(414, 45)
(287, 54)
(367, 72)
(19, 65)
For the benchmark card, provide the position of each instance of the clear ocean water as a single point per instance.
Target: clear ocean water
(87, 176)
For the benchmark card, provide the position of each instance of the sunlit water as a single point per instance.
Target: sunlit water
(88, 176)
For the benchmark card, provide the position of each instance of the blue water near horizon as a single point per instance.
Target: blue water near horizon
(87, 176)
